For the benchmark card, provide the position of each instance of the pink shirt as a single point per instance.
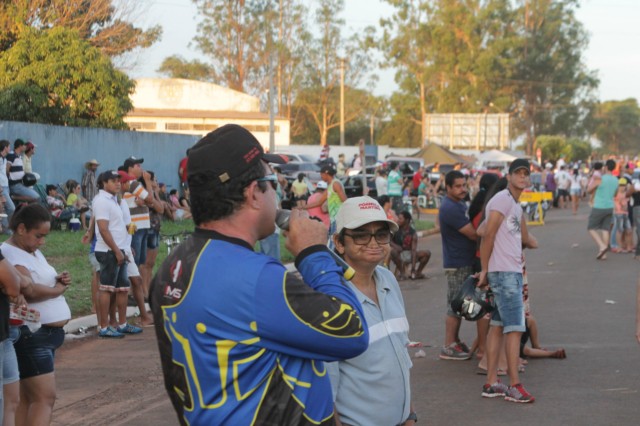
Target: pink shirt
(317, 211)
(507, 248)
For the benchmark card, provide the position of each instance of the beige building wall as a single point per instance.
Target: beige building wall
(196, 108)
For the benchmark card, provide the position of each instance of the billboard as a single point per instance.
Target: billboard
(480, 132)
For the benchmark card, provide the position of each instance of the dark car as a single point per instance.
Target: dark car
(292, 168)
(353, 185)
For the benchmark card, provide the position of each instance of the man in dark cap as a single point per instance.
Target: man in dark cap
(501, 260)
(241, 340)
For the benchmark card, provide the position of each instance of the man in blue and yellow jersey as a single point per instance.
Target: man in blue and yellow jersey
(242, 341)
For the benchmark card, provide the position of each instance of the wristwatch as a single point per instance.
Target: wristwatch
(413, 416)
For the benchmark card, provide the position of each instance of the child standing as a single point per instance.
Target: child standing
(622, 225)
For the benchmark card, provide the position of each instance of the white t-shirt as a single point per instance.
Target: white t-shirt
(51, 310)
(106, 207)
(381, 185)
(562, 179)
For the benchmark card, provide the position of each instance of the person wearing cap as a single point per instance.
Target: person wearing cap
(241, 340)
(373, 388)
(501, 262)
(111, 244)
(604, 188)
(88, 184)
(15, 170)
(29, 151)
(319, 212)
(334, 196)
(133, 272)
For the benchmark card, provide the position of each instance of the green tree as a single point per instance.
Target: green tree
(618, 126)
(579, 150)
(553, 87)
(106, 24)
(177, 67)
(553, 147)
(82, 86)
(328, 57)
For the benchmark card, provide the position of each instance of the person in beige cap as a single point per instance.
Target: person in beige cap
(362, 239)
(89, 183)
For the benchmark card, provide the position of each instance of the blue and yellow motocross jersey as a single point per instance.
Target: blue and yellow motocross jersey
(242, 342)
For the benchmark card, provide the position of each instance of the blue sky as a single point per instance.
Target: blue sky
(612, 24)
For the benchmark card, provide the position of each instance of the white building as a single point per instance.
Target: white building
(174, 105)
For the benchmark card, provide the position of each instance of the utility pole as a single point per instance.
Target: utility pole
(341, 101)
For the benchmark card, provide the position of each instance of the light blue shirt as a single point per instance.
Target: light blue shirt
(374, 387)
(605, 192)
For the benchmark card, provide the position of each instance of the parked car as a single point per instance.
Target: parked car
(292, 168)
(353, 185)
(298, 157)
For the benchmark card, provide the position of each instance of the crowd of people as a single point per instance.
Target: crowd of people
(291, 348)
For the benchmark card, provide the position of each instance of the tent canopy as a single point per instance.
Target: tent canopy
(495, 155)
(434, 153)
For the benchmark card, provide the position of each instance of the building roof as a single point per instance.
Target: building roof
(181, 113)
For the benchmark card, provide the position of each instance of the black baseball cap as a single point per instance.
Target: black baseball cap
(519, 163)
(108, 175)
(227, 152)
(328, 169)
(131, 161)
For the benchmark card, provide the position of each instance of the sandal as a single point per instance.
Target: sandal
(601, 253)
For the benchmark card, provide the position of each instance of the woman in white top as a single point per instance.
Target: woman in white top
(36, 346)
(575, 189)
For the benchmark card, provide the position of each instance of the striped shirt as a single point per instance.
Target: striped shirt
(139, 214)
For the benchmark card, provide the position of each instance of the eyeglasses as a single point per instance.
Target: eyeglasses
(272, 179)
(382, 236)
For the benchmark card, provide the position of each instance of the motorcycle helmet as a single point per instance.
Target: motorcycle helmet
(472, 302)
(29, 179)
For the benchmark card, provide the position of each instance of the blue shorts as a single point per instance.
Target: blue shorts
(139, 246)
(36, 350)
(507, 292)
(153, 239)
(10, 372)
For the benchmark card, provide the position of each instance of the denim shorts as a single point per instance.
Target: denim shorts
(36, 350)
(139, 245)
(455, 279)
(113, 277)
(507, 293)
(621, 222)
(153, 239)
(10, 372)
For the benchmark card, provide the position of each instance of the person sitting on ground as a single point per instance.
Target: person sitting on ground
(178, 212)
(404, 249)
(57, 204)
(76, 200)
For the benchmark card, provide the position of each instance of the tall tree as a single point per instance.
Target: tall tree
(330, 58)
(553, 87)
(618, 126)
(61, 79)
(106, 24)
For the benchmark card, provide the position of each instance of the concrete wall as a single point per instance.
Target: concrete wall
(62, 151)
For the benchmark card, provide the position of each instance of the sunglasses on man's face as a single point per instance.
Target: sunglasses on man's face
(272, 179)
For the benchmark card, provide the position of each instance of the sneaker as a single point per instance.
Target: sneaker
(496, 389)
(454, 352)
(464, 347)
(518, 393)
(129, 329)
(110, 332)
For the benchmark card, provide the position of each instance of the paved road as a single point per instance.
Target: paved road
(119, 382)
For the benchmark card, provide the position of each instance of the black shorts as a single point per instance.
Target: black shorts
(113, 277)
(36, 350)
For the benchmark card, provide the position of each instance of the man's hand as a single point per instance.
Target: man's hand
(119, 257)
(482, 279)
(64, 278)
(304, 232)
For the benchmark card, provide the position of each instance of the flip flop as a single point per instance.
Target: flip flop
(602, 252)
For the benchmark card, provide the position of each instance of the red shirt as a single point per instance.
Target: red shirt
(183, 167)
(417, 178)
